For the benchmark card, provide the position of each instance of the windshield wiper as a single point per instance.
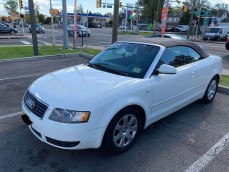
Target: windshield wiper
(102, 66)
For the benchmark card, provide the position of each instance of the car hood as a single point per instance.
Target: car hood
(80, 81)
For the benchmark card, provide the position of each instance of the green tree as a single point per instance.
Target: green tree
(41, 18)
(122, 14)
(222, 6)
(48, 20)
(80, 9)
(11, 6)
(148, 9)
(185, 19)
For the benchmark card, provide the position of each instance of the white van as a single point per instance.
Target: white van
(216, 33)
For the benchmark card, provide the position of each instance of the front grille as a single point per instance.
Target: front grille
(37, 107)
(62, 143)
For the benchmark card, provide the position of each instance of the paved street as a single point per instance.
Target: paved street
(172, 144)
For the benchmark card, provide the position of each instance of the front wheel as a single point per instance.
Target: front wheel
(211, 90)
(12, 32)
(122, 131)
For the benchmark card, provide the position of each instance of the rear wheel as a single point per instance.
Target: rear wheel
(122, 131)
(211, 90)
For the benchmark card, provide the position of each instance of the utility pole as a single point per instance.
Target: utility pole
(190, 22)
(53, 31)
(115, 21)
(158, 5)
(65, 27)
(137, 21)
(33, 27)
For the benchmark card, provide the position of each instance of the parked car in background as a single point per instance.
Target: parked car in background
(5, 29)
(82, 31)
(24, 24)
(92, 25)
(181, 28)
(170, 29)
(216, 33)
(39, 28)
(122, 90)
(227, 42)
(167, 35)
(5, 23)
(123, 27)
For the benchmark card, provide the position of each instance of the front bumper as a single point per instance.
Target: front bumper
(211, 37)
(65, 136)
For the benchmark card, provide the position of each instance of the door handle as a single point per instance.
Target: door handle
(192, 73)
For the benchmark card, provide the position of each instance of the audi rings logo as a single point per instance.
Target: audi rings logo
(30, 103)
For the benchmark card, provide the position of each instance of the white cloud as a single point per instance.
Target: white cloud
(226, 1)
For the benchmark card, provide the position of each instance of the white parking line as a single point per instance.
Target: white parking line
(46, 43)
(22, 76)
(25, 42)
(205, 159)
(11, 115)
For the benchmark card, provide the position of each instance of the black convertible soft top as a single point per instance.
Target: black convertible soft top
(168, 42)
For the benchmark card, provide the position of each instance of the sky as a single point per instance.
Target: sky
(87, 5)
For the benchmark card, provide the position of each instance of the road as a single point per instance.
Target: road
(172, 144)
(102, 37)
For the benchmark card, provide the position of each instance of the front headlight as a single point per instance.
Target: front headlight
(69, 116)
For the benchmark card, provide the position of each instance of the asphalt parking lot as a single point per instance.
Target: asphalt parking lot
(174, 143)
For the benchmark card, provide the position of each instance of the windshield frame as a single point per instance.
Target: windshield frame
(146, 72)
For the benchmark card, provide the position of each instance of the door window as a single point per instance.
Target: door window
(175, 56)
(193, 54)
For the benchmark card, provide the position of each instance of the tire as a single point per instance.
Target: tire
(12, 32)
(211, 90)
(88, 35)
(227, 46)
(122, 131)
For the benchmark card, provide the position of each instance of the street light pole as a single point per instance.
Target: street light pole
(53, 31)
(65, 27)
(190, 22)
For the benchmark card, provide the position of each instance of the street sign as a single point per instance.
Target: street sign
(54, 11)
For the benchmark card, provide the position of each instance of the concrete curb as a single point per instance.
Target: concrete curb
(223, 89)
(213, 42)
(45, 57)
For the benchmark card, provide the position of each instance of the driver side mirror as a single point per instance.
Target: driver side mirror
(167, 69)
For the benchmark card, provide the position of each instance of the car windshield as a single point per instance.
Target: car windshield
(127, 59)
(213, 30)
(38, 25)
(81, 27)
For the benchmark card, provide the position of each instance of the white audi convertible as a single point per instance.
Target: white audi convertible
(125, 88)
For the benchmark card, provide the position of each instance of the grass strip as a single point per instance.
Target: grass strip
(224, 80)
(27, 51)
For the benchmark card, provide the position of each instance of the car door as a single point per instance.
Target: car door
(2, 29)
(200, 71)
(171, 92)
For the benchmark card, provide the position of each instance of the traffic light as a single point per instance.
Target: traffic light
(98, 3)
(185, 8)
(131, 14)
(20, 4)
(120, 4)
